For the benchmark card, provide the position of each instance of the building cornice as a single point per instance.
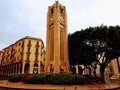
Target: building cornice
(22, 39)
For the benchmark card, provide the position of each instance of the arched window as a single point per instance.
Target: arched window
(35, 69)
(27, 68)
(35, 65)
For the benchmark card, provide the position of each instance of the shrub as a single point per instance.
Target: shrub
(31, 79)
(98, 79)
(56, 79)
(41, 79)
(14, 77)
(24, 78)
(80, 79)
(89, 79)
(35, 79)
(62, 79)
(48, 78)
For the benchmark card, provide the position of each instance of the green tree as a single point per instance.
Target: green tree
(95, 46)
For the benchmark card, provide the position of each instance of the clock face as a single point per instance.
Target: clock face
(61, 18)
(51, 18)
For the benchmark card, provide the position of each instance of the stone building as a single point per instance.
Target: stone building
(27, 55)
(111, 69)
(57, 40)
(1, 53)
(115, 65)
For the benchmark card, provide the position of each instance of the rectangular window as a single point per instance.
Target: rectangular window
(61, 10)
(52, 11)
(52, 44)
(61, 44)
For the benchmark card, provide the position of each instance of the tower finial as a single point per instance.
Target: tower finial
(57, 0)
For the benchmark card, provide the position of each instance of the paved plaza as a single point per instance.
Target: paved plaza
(22, 86)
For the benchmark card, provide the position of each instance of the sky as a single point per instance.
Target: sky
(20, 18)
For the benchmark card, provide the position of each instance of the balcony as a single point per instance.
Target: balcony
(36, 61)
(27, 60)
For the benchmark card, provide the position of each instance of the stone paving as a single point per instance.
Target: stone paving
(22, 86)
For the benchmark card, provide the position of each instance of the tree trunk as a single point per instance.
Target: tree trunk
(94, 70)
(118, 64)
(89, 70)
(102, 70)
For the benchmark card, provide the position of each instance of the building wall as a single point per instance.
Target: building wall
(1, 53)
(111, 69)
(33, 54)
(115, 67)
(23, 57)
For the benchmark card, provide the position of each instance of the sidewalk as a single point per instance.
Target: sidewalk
(22, 86)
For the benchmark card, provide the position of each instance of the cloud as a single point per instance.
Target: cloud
(20, 18)
(93, 13)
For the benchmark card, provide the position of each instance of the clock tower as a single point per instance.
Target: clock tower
(57, 40)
